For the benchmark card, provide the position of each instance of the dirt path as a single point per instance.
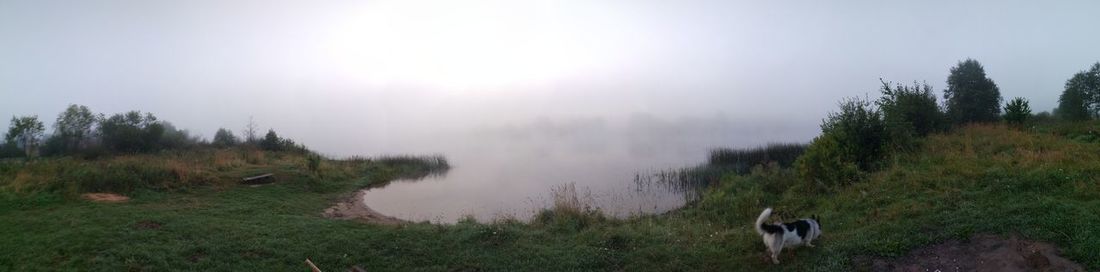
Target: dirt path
(980, 253)
(354, 208)
(105, 197)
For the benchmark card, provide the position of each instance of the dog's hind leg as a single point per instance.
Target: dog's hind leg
(777, 246)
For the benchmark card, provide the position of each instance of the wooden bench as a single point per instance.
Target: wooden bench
(261, 179)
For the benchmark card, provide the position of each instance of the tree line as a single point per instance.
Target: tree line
(79, 131)
(858, 137)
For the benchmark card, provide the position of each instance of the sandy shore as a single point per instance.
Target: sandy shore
(353, 208)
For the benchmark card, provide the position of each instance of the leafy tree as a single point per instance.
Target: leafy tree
(26, 133)
(1081, 98)
(74, 127)
(271, 141)
(910, 110)
(131, 132)
(971, 96)
(225, 138)
(1017, 111)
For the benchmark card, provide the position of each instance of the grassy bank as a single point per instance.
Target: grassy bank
(980, 179)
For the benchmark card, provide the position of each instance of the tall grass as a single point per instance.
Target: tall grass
(742, 160)
(420, 166)
(692, 182)
(570, 210)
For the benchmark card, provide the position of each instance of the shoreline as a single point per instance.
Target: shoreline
(353, 208)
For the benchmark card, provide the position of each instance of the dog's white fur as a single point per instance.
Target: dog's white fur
(788, 236)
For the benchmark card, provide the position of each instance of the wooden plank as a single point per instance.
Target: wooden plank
(265, 178)
(312, 267)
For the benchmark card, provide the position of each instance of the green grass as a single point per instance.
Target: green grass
(980, 179)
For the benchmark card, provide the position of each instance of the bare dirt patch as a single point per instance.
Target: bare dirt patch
(105, 197)
(980, 253)
(353, 208)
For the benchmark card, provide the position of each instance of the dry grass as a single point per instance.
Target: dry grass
(169, 170)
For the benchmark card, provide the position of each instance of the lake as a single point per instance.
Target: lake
(511, 171)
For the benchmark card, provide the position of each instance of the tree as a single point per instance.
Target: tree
(131, 132)
(911, 110)
(1017, 111)
(250, 131)
(971, 96)
(174, 138)
(26, 133)
(74, 126)
(271, 141)
(1081, 98)
(225, 138)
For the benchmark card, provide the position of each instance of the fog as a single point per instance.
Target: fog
(370, 77)
(656, 79)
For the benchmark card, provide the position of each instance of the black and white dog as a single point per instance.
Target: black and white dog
(792, 234)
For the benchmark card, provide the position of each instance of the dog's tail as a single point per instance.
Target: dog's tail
(760, 220)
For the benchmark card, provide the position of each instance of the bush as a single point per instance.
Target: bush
(313, 162)
(860, 132)
(851, 140)
(826, 163)
(10, 150)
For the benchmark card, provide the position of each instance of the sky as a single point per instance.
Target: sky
(408, 76)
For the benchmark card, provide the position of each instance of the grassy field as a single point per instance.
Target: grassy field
(979, 179)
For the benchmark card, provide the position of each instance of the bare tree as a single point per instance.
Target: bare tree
(250, 131)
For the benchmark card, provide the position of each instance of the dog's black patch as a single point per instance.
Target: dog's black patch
(801, 226)
(769, 228)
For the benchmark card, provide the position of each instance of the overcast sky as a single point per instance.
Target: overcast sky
(355, 77)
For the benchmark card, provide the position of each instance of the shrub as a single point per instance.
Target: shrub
(10, 150)
(313, 162)
(860, 132)
(1017, 111)
(826, 163)
(851, 140)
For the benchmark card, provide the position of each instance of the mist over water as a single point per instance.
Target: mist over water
(509, 170)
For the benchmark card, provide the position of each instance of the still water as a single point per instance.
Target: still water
(511, 172)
